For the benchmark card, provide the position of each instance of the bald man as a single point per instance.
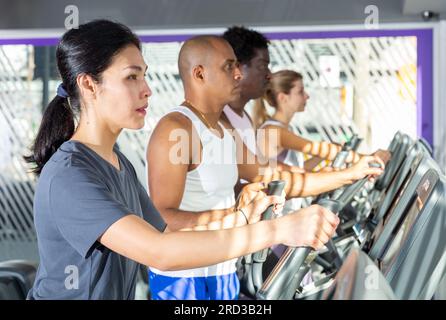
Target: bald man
(192, 168)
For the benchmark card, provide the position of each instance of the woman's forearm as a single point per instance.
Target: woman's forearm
(310, 164)
(136, 239)
(321, 149)
(353, 157)
(184, 250)
(325, 150)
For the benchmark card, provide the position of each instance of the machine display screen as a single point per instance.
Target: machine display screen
(395, 201)
(401, 232)
(400, 168)
(403, 187)
(404, 226)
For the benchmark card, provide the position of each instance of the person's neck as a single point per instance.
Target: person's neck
(98, 137)
(238, 106)
(211, 110)
(282, 117)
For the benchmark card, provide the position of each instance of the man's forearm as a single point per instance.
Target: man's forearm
(204, 220)
(307, 184)
(231, 220)
(312, 184)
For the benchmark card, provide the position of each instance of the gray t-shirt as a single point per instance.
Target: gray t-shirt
(78, 197)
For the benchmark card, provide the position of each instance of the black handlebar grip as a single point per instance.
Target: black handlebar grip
(375, 165)
(291, 260)
(340, 158)
(258, 258)
(332, 205)
(356, 143)
(349, 192)
(353, 142)
(342, 155)
(348, 145)
(289, 263)
(275, 188)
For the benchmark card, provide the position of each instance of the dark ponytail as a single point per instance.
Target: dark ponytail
(57, 126)
(89, 50)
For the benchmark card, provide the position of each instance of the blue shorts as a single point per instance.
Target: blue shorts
(225, 287)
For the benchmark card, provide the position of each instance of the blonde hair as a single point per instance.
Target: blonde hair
(281, 81)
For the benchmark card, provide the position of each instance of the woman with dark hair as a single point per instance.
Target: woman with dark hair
(94, 220)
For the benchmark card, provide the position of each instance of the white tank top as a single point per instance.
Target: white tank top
(209, 186)
(244, 128)
(291, 158)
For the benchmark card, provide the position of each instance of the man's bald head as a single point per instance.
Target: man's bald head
(197, 51)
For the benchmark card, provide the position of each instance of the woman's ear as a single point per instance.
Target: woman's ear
(282, 97)
(87, 86)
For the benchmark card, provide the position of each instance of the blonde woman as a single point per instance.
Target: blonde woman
(286, 94)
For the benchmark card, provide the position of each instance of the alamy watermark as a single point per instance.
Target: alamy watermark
(72, 19)
(372, 19)
(72, 280)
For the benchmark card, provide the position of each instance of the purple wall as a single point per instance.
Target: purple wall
(424, 60)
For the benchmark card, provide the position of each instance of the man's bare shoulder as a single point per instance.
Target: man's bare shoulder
(174, 120)
(167, 126)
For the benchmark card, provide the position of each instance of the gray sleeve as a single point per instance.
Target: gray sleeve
(150, 213)
(83, 208)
